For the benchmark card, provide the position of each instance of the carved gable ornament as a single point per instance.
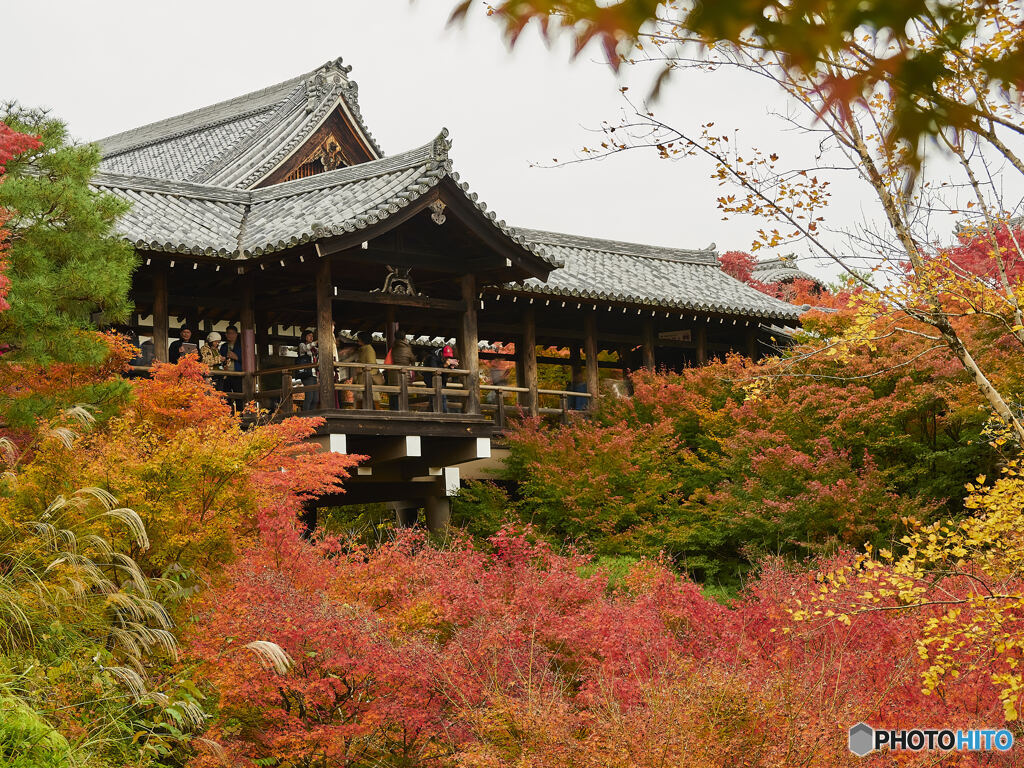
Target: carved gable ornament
(327, 156)
(399, 281)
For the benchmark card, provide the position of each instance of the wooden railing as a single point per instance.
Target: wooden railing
(447, 392)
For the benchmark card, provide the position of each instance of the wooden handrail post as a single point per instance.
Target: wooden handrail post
(438, 393)
(325, 332)
(469, 349)
(286, 393)
(499, 415)
(563, 400)
(403, 390)
(367, 390)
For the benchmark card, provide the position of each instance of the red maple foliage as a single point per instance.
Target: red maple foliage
(12, 144)
(738, 264)
(518, 655)
(976, 252)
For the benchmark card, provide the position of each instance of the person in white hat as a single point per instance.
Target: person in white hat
(210, 353)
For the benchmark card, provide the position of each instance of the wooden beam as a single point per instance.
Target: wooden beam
(469, 340)
(325, 331)
(590, 351)
(529, 344)
(702, 344)
(160, 318)
(648, 344)
(223, 301)
(563, 335)
(398, 300)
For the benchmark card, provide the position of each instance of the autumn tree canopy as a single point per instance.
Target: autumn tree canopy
(64, 269)
(916, 47)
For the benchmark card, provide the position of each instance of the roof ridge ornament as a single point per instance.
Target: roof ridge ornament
(326, 78)
(442, 145)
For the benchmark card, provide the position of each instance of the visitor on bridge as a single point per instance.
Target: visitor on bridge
(183, 346)
(347, 353)
(209, 356)
(400, 354)
(442, 357)
(308, 354)
(367, 354)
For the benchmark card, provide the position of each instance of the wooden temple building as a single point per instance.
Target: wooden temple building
(277, 211)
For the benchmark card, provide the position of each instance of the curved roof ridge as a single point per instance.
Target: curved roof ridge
(781, 268)
(171, 187)
(696, 255)
(239, 141)
(209, 116)
(324, 89)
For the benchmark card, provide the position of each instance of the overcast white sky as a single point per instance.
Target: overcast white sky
(108, 65)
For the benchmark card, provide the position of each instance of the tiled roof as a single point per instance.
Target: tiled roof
(191, 180)
(204, 219)
(781, 269)
(609, 270)
(236, 143)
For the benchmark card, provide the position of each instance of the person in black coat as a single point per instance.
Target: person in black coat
(174, 352)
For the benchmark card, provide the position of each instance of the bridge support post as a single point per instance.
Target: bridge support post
(528, 356)
(590, 350)
(469, 340)
(438, 513)
(248, 335)
(702, 344)
(160, 317)
(325, 333)
(406, 513)
(648, 344)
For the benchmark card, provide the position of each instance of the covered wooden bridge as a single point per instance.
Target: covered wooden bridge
(277, 211)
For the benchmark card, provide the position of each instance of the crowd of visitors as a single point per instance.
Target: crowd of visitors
(356, 360)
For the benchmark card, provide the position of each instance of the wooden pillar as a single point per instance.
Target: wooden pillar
(469, 349)
(575, 364)
(590, 350)
(530, 360)
(160, 317)
(702, 344)
(752, 342)
(248, 334)
(648, 344)
(390, 327)
(325, 332)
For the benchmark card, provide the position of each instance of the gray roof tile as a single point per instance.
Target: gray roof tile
(609, 270)
(237, 142)
(191, 181)
(205, 219)
(781, 269)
